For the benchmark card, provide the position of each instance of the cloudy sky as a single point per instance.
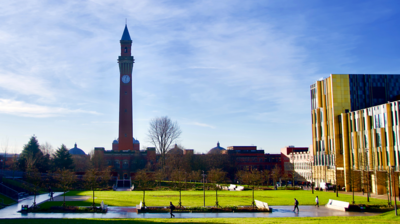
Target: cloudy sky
(237, 72)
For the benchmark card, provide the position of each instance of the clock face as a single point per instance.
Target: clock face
(126, 79)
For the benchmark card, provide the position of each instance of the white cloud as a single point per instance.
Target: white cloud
(201, 125)
(19, 108)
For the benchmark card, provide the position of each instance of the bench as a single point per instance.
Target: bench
(139, 206)
(103, 206)
(239, 188)
(261, 205)
(338, 205)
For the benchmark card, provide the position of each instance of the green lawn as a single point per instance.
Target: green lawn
(6, 199)
(225, 198)
(382, 218)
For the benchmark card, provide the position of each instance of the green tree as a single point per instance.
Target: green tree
(216, 176)
(62, 159)
(30, 154)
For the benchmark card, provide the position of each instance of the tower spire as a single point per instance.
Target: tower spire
(125, 35)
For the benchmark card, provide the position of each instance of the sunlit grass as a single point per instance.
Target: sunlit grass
(382, 218)
(225, 198)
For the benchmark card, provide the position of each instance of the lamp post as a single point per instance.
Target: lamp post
(367, 183)
(312, 176)
(204, 191)
(1, 167)
(394, 191)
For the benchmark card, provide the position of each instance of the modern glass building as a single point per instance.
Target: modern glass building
(355, 131)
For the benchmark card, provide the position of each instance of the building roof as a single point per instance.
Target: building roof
(125, 35)
(76, 151)
(175, 150)
(216, 150)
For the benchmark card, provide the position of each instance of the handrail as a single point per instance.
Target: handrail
(9, 188)
(9, 191)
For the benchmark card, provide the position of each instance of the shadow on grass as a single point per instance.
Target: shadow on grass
(98, 221)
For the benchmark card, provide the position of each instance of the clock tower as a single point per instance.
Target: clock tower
(125, 61)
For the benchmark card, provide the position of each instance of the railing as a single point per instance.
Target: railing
(9, 192)
(15, 188)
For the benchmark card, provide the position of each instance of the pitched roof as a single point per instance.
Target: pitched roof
(125, 35)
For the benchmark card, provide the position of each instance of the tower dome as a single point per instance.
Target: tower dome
(216, 150)
(76, 151)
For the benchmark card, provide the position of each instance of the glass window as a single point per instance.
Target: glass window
(378, 140)
(365, 141)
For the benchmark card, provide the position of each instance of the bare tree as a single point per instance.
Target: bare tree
(34, 178)
(47, 149)
(179, 176)
(159, 176)
(216, 176)
(251, 177)
(162, 133)
(4, 147)
(276, 174)
(65, 179)
(145, 182)
(94, 179)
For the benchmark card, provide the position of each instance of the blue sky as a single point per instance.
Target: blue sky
(237, 72)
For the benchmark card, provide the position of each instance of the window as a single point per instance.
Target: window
(378, 139)
(125, 165)
(125, 50)
(365, 125)
(387, 158)
(365, 141)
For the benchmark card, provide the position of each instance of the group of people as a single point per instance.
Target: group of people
(296, 204)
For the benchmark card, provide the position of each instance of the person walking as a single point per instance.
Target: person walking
(51, 196)
(171, 209)
(316, 201)
(296, 205)
(50, 193)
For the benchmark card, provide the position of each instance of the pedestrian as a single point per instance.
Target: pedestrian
(50, 191)
(51, 196)
(362, 190)
(296, 205)
(316, 201)
(171, 209)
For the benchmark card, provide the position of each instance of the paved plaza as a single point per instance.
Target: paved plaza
(130, 212)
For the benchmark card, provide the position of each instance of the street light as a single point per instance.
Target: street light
(204, 191)
(394, 191)
(1, 167)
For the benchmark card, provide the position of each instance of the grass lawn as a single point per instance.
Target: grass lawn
(382, 218)
(225, 198)
(6, 199)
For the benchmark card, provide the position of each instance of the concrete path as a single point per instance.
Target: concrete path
(72, 198)
(371, 195)
(130, 212)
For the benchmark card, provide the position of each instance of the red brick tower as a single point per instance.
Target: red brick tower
(125, 141)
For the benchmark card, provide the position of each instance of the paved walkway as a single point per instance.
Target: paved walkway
(130, 212)
(72, 198)
(371, 195)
